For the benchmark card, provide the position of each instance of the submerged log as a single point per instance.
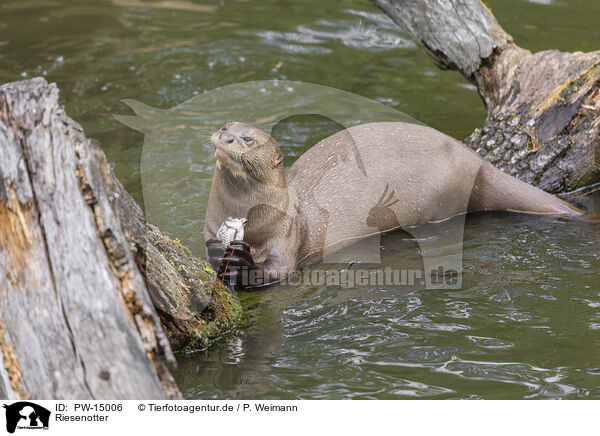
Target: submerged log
(543, 120)
(77, 320)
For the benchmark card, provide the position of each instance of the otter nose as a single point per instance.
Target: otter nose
(226, 137)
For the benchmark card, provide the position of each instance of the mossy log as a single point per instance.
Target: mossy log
(543, 122)
(77, 318)
(193, 306)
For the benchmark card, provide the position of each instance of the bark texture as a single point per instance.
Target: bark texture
(543, 121)
(76, 317)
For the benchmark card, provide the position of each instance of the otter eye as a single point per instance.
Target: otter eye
(247, 140)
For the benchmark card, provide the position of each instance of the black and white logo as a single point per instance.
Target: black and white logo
(26, 415)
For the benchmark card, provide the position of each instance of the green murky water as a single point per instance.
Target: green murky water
(526, 323)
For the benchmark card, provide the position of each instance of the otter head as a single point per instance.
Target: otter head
(248, 153)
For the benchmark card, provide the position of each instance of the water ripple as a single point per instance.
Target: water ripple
(310, 39)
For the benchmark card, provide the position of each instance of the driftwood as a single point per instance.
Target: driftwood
(543, 119)
(76, 317)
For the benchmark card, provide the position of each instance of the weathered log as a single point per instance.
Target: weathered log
(76, 319)
(543, 118)
(194, 307)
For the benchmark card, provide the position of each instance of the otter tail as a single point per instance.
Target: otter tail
(496, 190)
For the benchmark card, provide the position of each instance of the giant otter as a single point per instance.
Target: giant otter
(369, 178)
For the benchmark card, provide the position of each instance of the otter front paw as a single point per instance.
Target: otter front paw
(215, 251)
(235, 263)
